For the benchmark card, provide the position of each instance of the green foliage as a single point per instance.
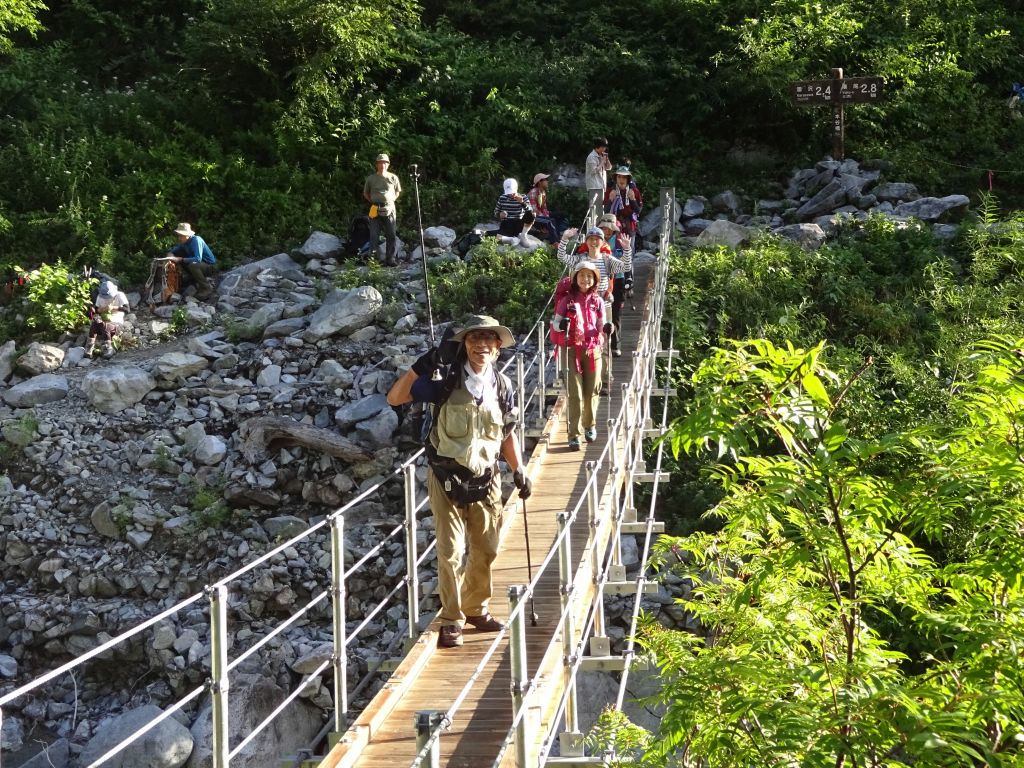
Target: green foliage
(372, 273)
(57, 300)
(209, 509)
(509, 283)
(18, 16)
(179, 323)
(821, 544)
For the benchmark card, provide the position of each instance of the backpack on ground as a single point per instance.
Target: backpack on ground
(358, 242)
(556, 335)
(163, 282)
(465, 243)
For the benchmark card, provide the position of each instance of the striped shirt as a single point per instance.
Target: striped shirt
(514, 209)
(607, 265)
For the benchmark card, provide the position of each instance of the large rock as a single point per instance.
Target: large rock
(168, 745)
(12, 734)
(831, 196)
(253, 697)
(7, 355)
(174, 367)
(723, 233)
(651, 223)
(810, 236)
(8, 666)
(321, 245)
(895, 191)
(694, 207)
(254, 325)
(55, 755)
(46, 388)
(211, 450)
(933, 208)
(111, 390)
(360, 410)
(40, 358)
(230, 281)
(379, 431)
(439, 237)
(344, 312)
(726, 202)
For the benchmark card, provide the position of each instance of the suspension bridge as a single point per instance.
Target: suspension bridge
(503, 699)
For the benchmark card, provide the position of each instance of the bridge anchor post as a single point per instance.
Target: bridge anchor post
(427, 723)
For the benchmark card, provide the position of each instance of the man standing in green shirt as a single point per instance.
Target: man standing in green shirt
(381, 190)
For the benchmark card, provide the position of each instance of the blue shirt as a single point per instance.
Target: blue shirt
(194, 250)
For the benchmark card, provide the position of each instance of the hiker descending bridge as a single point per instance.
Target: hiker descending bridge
(506, 698)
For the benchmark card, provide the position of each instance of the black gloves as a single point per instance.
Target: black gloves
(522, 483)
(627, 281)
(563, 324)
(425, 363)
(608, 329)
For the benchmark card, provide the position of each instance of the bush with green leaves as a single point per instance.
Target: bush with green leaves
(56, 300)
(832, 633)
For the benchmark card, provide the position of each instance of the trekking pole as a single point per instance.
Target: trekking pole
(423, 249)
(529, 565)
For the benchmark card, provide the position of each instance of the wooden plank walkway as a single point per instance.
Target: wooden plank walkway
(431, 678)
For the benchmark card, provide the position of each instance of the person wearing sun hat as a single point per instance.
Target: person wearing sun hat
(537, 197)
(594, 248)
(381, 190)
(473, 426)
(514, 213)
(622, 250)
(107, 315)
(195, 256)
(623, 199)
(580, 315)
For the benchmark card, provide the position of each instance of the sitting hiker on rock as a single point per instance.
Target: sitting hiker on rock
(106, 315)
(514, 214)
(195, 256)
(473, 426)
(546, 224)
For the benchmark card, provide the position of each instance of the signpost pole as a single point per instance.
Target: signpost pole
(838, 121)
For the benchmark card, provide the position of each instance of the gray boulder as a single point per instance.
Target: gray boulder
(439, 237)
(55, 755)
(8, 666)
(651, 223)
(694, 227)
(831, 196)
(253, 697)
(933, 208)
(254, 325)
(111, 390)
(211, 450)
(174, 367)
(726, 202)
(725, 233)
(694, 207)
(284, 526)
(12, 734)
(895, 191)
(379, 431)
(7, 355)
(230, 281)
(321, 245)
(344, 312)
(810, 236)
(285, 327)
(19, 432)
(270, 376)
(168, 745)
(360, 410)
(40, 358)
(46, 388)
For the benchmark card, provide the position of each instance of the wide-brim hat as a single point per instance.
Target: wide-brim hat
(184, 229)
(539, 177)
(623, 170)
(485, 323)
(382, 158)
(586, 264)
(609, 220)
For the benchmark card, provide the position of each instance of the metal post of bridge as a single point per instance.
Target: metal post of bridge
(542, 376)
(1, 731)
(412, 579)
(521, 392)
(219, 681)
(629, 457)
(666, 199)
(570, 741)
(339, 660)
(427, 723)
(517, 656)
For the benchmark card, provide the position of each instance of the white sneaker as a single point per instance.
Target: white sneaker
(507, 240)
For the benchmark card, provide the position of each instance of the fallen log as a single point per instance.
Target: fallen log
(268, 432)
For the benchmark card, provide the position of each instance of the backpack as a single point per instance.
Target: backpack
(358, 242)
(465, 243)
(451, 381)
(163, 282)
(558, 337)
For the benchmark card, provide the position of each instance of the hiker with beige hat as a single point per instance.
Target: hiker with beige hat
(194, 255)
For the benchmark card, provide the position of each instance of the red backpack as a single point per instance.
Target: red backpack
(556, 336)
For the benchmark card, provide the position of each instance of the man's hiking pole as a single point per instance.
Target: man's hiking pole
(423, 249)
(529, 565)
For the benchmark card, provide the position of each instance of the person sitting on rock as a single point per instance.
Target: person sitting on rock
(107, 316)
(514, 214)
(546, 225)
(195, 256)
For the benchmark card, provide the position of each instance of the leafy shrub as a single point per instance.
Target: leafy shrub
(57, 300)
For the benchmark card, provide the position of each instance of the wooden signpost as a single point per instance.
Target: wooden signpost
(838, 92)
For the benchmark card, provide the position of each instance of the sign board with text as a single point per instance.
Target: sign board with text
(849, 90)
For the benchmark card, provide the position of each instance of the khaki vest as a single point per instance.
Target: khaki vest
(470, 434)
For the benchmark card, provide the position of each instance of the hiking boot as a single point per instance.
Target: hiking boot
(108, 350)
(485, 623)
(451, 636)
(90, 348)
(591, 434)
(574, 444)
(616, 351)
